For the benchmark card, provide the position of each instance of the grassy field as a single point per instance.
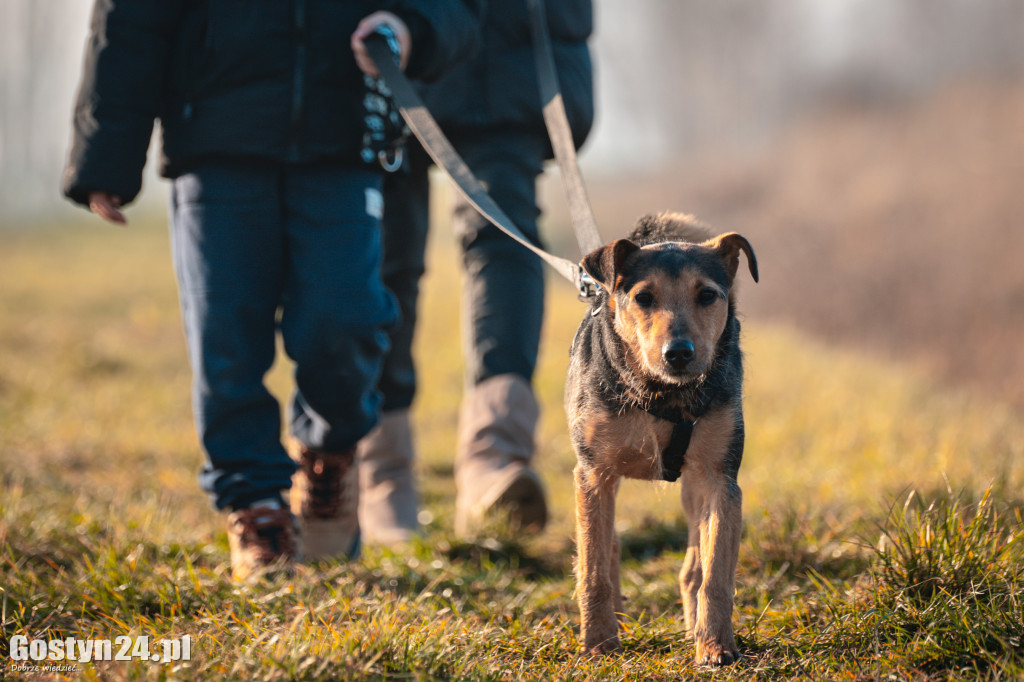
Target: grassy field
(883, 515)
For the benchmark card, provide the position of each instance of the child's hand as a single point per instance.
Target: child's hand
(107, 206)
(366, 27)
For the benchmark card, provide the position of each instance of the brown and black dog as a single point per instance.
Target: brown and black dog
(654, 392)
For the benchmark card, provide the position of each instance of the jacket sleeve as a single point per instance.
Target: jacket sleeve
(444, 33)
(119, 96)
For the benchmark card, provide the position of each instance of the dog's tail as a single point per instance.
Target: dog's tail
(669, 227)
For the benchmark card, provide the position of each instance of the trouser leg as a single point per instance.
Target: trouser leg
(388, 500)
(228, 249)
(503, 305)
(335, 313)
(503, 294)
(335, 309)
(405, 227)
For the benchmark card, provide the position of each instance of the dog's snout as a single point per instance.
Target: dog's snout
(679, 353)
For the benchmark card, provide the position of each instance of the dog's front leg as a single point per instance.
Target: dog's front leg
(714, 501)
(614, 557)
(598, 595)
(690, 577)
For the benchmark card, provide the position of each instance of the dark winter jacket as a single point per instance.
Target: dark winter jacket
(245, 79)
(498, 87)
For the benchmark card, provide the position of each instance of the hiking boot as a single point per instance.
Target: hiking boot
(325, 498)
(263, 540)
(387, 490)
(497, 421)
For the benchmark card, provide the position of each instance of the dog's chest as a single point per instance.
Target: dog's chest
(632, 444)
(628, 445)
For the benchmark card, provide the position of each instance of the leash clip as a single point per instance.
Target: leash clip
(586, 288)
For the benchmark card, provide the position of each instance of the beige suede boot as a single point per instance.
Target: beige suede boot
(497, 421)
(387, 490)
(325, 499)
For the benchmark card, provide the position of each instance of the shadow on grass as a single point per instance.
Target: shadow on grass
(652, 539)
(489, 553)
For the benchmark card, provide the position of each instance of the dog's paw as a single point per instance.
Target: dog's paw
(713, 654)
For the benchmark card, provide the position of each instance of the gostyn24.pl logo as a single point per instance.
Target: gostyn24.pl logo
(123, 648)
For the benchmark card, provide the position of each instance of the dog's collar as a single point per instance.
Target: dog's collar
(673, 456)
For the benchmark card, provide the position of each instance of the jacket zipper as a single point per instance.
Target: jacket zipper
(298, 77)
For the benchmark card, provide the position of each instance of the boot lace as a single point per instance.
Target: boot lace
(268, 533)
(325, 482)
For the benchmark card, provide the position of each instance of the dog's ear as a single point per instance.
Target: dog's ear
(728, 247)
(605, 263)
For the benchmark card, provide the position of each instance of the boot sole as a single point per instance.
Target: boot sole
(329, 539)
(522, 498)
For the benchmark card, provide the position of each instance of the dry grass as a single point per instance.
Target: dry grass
(103, 531)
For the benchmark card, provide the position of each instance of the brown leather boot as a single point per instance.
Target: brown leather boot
(497, 421)
(263, 540)
(325, 498)
(387, 489)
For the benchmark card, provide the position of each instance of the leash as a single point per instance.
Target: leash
(441, 151)
(394, 84)
(557, 123)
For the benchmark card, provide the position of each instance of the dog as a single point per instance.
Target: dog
(654, 392)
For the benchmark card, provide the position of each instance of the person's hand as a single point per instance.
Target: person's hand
(366, 27)
(107, 206)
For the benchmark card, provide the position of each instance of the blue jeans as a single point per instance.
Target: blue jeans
(262, 247)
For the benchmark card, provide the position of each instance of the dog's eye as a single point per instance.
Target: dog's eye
(707, 296)
(644, 299)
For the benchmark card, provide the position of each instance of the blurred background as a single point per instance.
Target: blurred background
(871, 150)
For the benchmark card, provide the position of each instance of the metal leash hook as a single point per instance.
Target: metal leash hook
(586, 287)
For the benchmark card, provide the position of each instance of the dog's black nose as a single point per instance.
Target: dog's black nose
(679, 353)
